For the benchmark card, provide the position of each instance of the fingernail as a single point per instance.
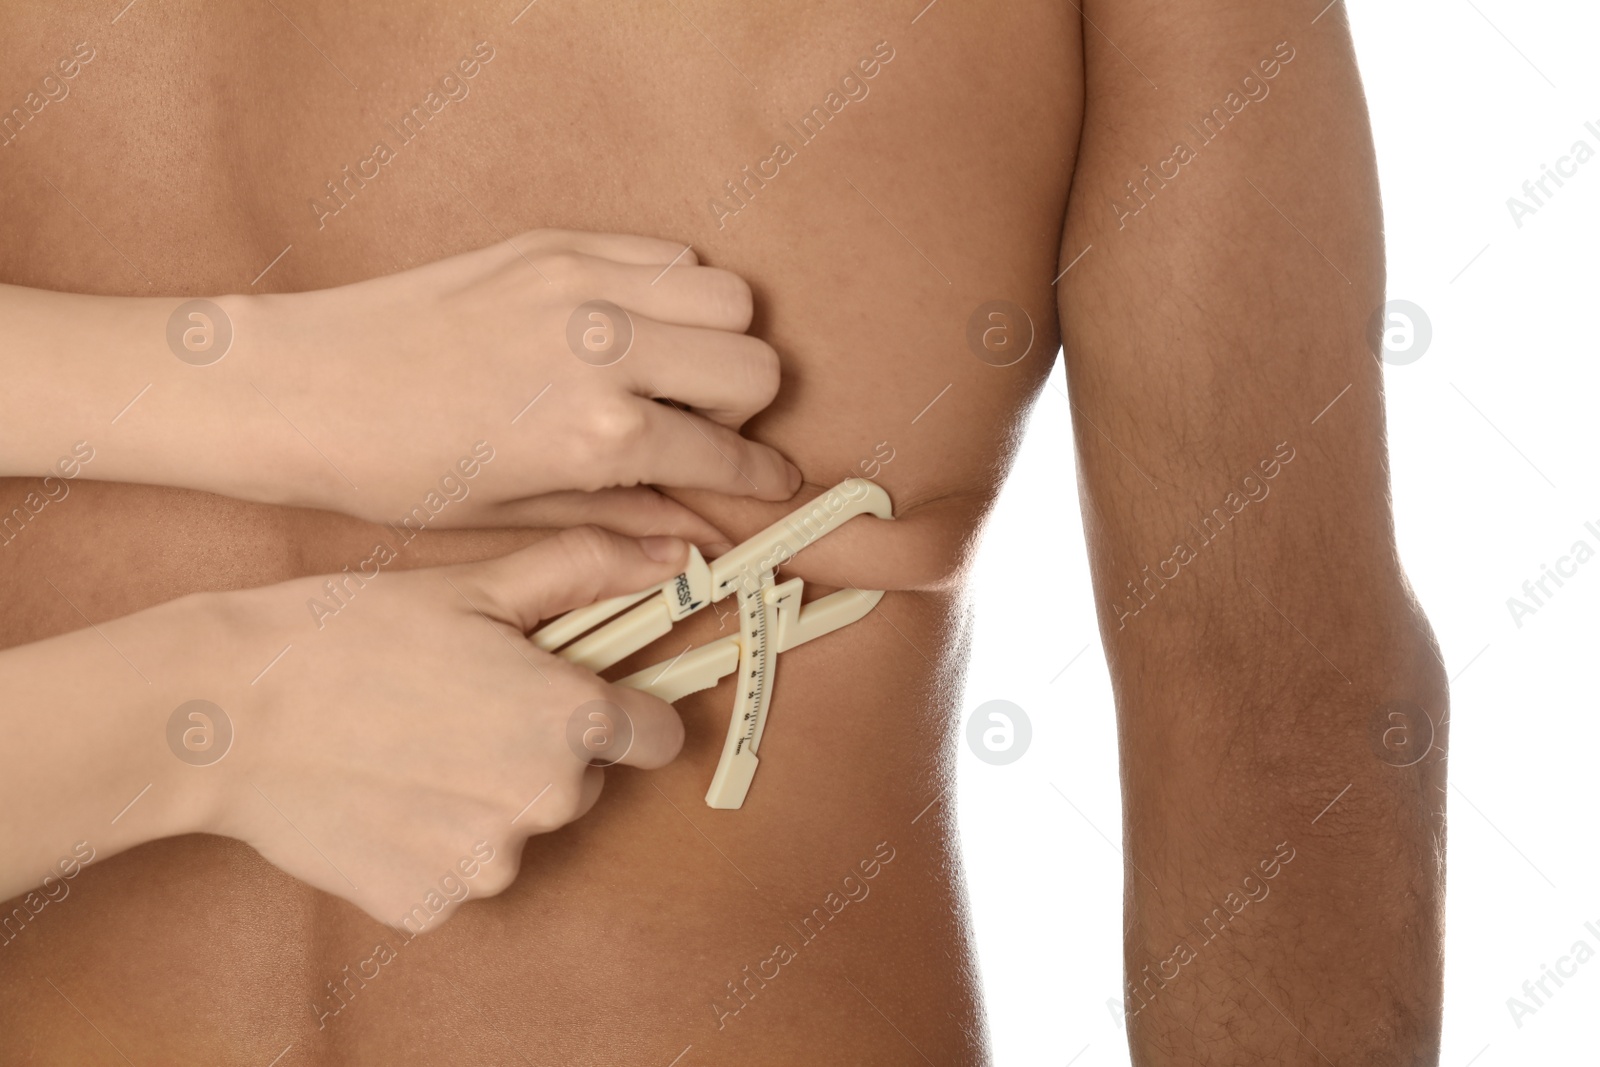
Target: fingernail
(662, 549)
(795, 478)
(716, 548)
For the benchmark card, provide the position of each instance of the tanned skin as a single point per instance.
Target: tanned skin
(1209, 337)
(1218, 357)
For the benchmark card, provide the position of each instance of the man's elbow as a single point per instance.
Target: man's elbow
(1316, 771)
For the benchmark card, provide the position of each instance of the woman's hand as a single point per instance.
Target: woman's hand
(395, 753)
(513, 351)
(418, 735)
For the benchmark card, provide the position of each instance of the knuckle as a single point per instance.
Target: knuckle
(496, 878)
(762, 372)
(492, 883)
(555, 809)
(592, 688)
(747, 460)
(729, 299)
(540, 820)
(574, 686)
(552, 239)
(387, 904)
(570, 270)
(528, 243)
(618, 425)
(581, 693)
(564, 799)
(588, 549)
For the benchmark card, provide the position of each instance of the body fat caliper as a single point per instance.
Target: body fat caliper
(771, 620)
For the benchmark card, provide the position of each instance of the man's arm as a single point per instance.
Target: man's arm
(1281, 703)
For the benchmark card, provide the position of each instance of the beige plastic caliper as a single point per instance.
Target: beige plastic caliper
(771, 617)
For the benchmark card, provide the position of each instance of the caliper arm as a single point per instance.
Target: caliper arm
(772, 620)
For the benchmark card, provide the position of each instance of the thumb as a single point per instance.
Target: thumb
(573, 569)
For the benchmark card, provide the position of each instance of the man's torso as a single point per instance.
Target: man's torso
(199, 145)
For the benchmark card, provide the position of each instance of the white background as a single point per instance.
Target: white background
(1493, 439)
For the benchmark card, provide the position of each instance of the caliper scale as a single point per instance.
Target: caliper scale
(771, 621)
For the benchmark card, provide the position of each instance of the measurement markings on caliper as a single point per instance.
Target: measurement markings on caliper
(771, 620)
(755, 620)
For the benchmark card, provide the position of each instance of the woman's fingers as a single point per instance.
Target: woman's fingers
(622, 247)
(727, 377)
(680, 293)
(655, 730)
(606, 323)
(572, 569)
(635, 512)
(681, 449)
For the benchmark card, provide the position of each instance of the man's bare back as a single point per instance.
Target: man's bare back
(827, 154)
